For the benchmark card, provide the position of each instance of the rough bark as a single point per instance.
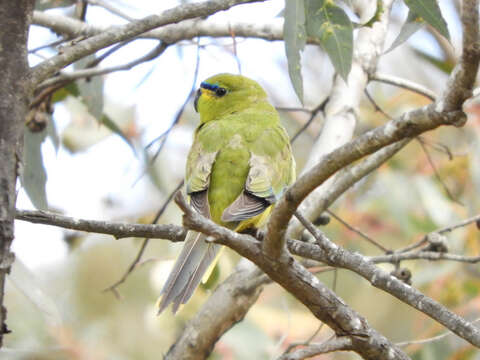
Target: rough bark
(14, 17)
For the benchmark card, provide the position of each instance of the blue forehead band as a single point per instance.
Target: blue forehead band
(205, 85)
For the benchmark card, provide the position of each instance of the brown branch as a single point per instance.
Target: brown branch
(119, 230)
(228, 305)
(437, 174)
(331, 345)
(443, 230)
(87, 73)
(357, 231)
(15, 18)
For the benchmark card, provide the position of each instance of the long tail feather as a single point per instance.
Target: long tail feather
(194, 260)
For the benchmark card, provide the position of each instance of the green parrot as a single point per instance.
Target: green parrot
(239, 164)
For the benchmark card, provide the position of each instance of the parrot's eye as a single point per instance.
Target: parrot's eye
(220, 91)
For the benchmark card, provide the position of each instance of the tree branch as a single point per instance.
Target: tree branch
(119, 230)
(86, 73)
(173, 33)
(228, 305)
(331, 345)
(116, 34)
(404, 83)
(15, 18)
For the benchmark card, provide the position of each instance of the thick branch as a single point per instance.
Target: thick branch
(15, 18)
(185, 30)
(228, 305)
(461, 81)
(116, 34)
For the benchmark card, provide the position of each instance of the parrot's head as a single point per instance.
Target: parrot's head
(224, 94)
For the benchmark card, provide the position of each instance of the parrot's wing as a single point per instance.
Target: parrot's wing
(268, 176)
(199, 168)
(258, 194)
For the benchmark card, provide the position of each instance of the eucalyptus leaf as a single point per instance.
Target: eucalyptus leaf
(91, 89)
(410, 27)
(430, 12)
(331, 26)
(443, 65)
(34, 176)
(295, 39)
(52, 133)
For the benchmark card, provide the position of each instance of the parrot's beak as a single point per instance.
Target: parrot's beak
(197, 96)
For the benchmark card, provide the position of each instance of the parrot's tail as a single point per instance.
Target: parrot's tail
(193, 262)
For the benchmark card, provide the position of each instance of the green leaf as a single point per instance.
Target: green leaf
(430, 12)
(50, 4)
(52, 133)
(91, 89)
(69, 89)
(34, 177)
(295, 38)
(331, 26)
(410, 27)
(110, 124)
(442, 65)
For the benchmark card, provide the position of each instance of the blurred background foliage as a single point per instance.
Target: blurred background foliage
(58, 309)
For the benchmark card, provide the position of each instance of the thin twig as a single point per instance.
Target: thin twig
(107, 53)
(431, 339)
(442, 148)
(437, 174)
(358, 231)
(458, 225)
(404, 83)
(313, 114)
(111, 9)
(234, 45)
(49, 45)
(375, 105)
(164, 136)
(292, 109)
(443, 230)
(87, 73)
